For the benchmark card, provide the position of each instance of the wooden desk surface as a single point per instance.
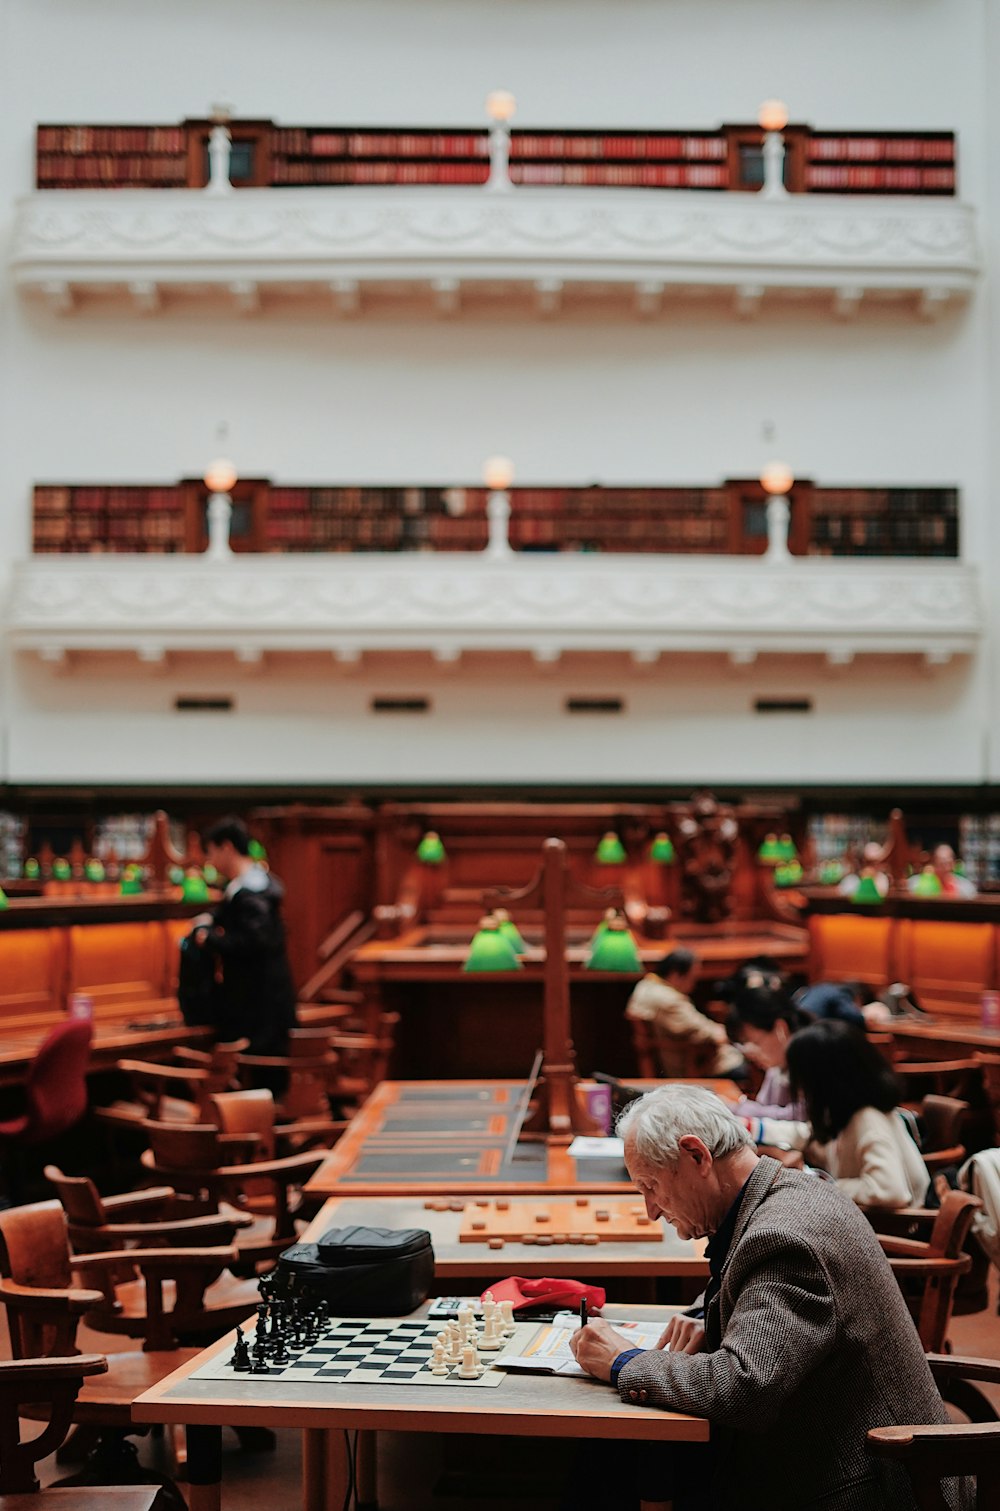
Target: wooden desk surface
(672, 1256)
(150, 1035)
(436, 952)
(943, 1038)
(523, 1405)
(451, 1138)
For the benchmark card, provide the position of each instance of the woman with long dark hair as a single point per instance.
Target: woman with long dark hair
(852, 1099)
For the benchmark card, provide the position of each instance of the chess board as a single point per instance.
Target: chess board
(360, 1352)
(578, 1220)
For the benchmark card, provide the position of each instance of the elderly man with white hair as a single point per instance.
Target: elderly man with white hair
(805, 1342)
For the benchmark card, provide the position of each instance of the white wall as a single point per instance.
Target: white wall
(107, 396)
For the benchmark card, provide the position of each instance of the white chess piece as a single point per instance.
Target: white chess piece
(507, 1314)
(438, 1365)
(471, 1368)
(492, 1338)
(454, 1343)
(466, 1316)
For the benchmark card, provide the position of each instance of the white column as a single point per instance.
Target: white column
(779, 513)
(498, 514)
(220, 516)
(220, 143)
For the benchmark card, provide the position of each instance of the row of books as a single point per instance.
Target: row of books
(112, 139)
(111, 500)
(877, 149)
(295, 142)
(648, 176)
(882, 180)
(572, 145)
(344, 172)
(63, 171)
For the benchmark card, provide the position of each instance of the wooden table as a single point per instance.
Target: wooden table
(943, 1038)
(456, 1262)
(453, 1138)
(150, 1035)
(453, 1024)
(537, 1406)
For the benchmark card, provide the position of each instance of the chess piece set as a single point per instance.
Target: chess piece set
(290, 1318)
(459, 1344)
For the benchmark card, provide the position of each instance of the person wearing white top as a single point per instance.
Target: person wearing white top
(852, 1097)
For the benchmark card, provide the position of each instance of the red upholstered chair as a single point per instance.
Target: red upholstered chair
(55, 1094)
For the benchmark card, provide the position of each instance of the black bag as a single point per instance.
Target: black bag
(195, 982)
(365, 1272)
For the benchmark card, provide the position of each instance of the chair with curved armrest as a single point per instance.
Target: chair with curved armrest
(929, 1270)
(159, 1218)
(932, 1454)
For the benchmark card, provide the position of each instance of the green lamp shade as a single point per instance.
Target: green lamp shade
(194, 889)
(927, 884)
(61, 869)
(93, 870)
(490, 950)
(430, 850)
(602, 928)
(510, 931)
(610, 850)
(4, 902)
(788, 874)
(175, 876)
(210, 874)
(786, 848)
(830, 873)
(32, 870)
(615, 951)
(256, 851)
(866, 893)
(770, 850)
(130, 886)
(662, 849)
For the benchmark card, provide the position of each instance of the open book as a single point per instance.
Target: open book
(549, 1353)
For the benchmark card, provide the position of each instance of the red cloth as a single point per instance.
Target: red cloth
(546, 1291)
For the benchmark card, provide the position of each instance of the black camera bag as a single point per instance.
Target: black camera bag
(365, 1272)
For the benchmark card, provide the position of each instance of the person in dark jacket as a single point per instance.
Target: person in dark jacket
(252, 995)
(805, 1343)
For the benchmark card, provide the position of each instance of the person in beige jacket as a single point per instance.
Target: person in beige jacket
(852, 1100)
(688, 1043)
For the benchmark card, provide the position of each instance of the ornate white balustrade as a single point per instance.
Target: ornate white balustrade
(457, 245)
(547, 606)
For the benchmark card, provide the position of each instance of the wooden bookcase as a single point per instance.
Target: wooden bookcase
(729, 519)
(264, 154)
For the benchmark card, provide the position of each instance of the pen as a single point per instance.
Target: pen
(583, 1312)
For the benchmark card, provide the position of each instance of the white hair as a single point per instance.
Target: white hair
(659, 1120)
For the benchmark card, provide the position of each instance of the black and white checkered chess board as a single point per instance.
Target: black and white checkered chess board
(359, 1352)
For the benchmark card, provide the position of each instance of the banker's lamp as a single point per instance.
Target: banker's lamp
(610, 850)
(510, 930)
(615, 950)
(430, 851)
(489, 950)
(662, 849)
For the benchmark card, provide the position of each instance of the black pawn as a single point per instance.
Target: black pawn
(241, 1354)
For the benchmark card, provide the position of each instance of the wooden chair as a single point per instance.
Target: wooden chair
(217, 1166)
(153, 1219)
(173, 1093)
(46, 1305)
(941, 1121)
(929, 1269)
(644, 1046)
(166, 1297)
(932, 1454)
(989, 1069)
(26, 1384)
(946, 1078)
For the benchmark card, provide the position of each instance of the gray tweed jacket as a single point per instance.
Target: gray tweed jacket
(807, 1345)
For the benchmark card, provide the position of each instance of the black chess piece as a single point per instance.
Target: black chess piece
(279, 1349)
(260, 1365)
(240, 1360)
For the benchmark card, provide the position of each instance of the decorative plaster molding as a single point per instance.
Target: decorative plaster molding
(639, 605)
(543, 237)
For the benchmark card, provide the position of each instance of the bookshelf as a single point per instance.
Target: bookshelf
(111, 519)
(267, 155)
(620, 159)
(728, 519)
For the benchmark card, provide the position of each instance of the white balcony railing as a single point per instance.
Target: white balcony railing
(463, 244)
(643, 606)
